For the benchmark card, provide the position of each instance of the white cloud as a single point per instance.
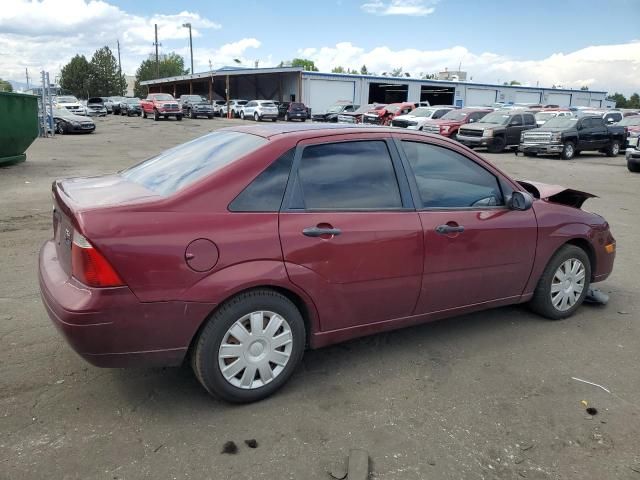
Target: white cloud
(603, 67)
(47, 33)
(400, 7)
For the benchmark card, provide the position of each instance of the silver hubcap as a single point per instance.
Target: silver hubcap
(567, 284)
(255, 350)
(615, 148)
(568, 149)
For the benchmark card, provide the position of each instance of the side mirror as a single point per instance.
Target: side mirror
(520, 201)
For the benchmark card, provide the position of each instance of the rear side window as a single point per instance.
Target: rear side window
(265, 193)
(447, 179)
(183, 165)
(349, 175)
(529, 119)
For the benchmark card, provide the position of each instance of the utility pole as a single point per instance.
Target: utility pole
(26, 71)
(157, 59)
(188, 25)
(119, 64)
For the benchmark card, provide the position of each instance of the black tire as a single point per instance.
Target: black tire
(204, 355)
(303, 120)
(286, 117)
(613, 149)
(530, 154)
(568, 151)
(61, 128)
(144, 114)
(156, 115)
(209, 117)
(498, 145)
(274, 119)
(256, 117)
(242, 116)
(633, 167)
(192, 114)
(541, 302)
(179, 118)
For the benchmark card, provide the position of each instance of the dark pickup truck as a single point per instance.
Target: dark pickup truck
(568, 136)
(497, 130)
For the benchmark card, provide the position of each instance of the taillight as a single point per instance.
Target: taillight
(89, 266)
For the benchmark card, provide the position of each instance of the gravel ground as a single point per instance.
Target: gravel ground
(483, 396)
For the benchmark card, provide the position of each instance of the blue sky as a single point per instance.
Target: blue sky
(569, 43)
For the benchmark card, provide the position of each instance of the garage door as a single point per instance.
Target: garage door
(580, 102)
(561, 99)
(324, 93)
(595, 103)
(479, 97)
(527, 97)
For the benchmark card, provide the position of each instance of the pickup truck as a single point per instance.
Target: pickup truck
(567, 136)
(194, 106)
(449, 124)
(160, 105)
(331, 115)
(497, 130)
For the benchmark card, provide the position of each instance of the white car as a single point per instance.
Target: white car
(235, 106)
(260, 110)
(543, 116)
(218, 105)
(416, 119)
(71, 103)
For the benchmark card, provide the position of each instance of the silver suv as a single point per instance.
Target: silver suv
(260, 110)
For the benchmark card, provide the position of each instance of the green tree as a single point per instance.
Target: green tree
(5, 86)
(396, 72)
(620, 99)
(172, 65)
(512, 82)
(304, 63)
(363, 70)
(634, 101)
(339, 69)
(75, 76)
(105, 79)
(429, 76)
(584, 87)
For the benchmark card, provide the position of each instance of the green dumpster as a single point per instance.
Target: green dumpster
(18, 125)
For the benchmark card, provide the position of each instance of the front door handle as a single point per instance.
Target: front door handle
(447, 229)
(318, 231)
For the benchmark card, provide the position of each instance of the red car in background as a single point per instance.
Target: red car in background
(631, 126)
(160, 105)
(450, 122)
(384, 116)
(239, 249)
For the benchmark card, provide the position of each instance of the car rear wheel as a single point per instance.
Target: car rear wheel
(563, 284)
(498, 145)
(156, 115)
(144, 114)
(178, 117)
(613, 149)
(192, 114)
(256, 117)
(249, 347)
(242, 115)
(568, 151)
(286, 117)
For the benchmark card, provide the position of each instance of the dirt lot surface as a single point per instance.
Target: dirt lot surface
(484, 396)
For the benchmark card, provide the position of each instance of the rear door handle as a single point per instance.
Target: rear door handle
(318, 232)
(447, 229)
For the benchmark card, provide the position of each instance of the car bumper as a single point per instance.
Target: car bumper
(170, 112)
(110, 327)
(96, 113)
(632, 142)
(632, 156)
(300, 115)
(475, 141)
(540, 148)
(268, 115)
(74, 129)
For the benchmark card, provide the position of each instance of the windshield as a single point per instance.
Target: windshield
(561, 122)
(67, 99)
(242, 102)
(132, 100)
(183, 165)
(62, 112)
(496, 118)
(335, 108)
(422, 112)
(161, 96)
(267, 104)
(544, 116)
(95, 100)
(633, 121)
(454, 115)
(195, 98)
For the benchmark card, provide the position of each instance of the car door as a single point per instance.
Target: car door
(600, 133)
(476, 249)
(249, 109)
(350, 235)
(514, 129)
(587, 137)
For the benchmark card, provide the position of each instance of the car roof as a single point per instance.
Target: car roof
(314, 129)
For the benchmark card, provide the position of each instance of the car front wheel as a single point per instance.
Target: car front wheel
(563, 284)
(613, 149)
(568, 151)
(249, 347)
(61, 128)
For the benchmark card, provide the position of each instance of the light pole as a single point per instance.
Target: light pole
(188, 25)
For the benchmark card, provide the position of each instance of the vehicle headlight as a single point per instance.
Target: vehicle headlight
(487, 133)
(522, 137)
(556, 137)
(74, 123)
(634, 134)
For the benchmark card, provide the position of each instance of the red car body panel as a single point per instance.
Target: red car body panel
(182, 255)
(165, 107)
(454, 125)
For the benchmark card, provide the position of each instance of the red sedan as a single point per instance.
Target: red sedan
(241, 248)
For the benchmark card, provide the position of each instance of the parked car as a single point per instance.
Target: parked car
(631, 126)
(567, 136)
(331, 115)
(382, 228)
(497, 130)
(544, 115)
(66, 121)
(295, 111)
(130, 106)
(356, 116)
(108, 104)
(116, 104)
(418, 118)
(71, 103)
(235, 107)
(194, 106)
(160, 105)
(217, 107)
(96, 108)
(609, 116)
(632, 155)
(450, 122)
(384, 116)
(260, 110)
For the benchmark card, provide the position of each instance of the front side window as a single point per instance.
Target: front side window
(529, 119)
(348, 175)
(264, 194)
(447, 179)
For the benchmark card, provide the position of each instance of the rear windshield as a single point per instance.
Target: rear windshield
(161, 96)
(455, 115)
(185, 164)
(632, 121)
